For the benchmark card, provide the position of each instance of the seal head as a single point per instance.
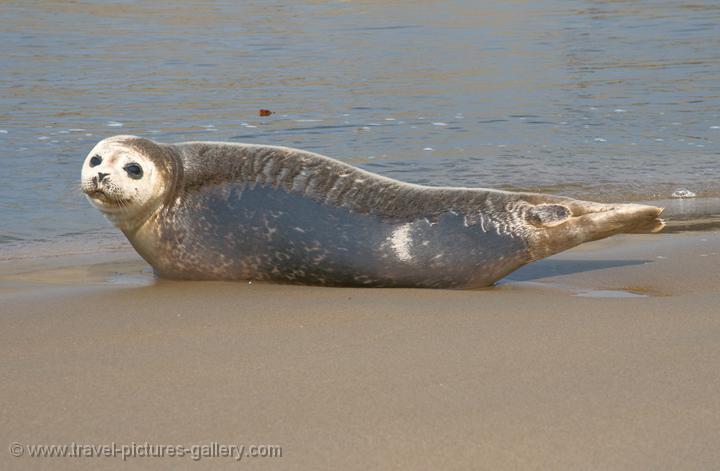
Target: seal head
(127, 178)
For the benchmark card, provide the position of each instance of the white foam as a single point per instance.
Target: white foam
(114, 124)
(683, 193)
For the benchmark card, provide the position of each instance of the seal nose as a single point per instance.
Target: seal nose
(101, 176)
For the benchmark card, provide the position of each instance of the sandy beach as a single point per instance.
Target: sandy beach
(603, 357)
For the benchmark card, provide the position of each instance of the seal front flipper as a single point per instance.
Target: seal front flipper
(548, 215)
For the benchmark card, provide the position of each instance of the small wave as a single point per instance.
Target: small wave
(683, 193)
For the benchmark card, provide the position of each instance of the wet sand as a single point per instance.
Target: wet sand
(603, 357)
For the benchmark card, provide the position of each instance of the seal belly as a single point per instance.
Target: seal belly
(261, 232)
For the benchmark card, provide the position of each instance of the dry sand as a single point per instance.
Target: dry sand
(604, 357)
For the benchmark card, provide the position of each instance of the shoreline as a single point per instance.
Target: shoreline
(116, 264)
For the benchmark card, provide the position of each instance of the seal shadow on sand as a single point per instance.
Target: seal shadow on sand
(548, 268)
(141, 275)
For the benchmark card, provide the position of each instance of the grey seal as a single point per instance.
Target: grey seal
(228, 211)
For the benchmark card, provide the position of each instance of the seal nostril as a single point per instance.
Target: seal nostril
(101, 176)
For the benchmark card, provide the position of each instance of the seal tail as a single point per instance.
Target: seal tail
(562, 225)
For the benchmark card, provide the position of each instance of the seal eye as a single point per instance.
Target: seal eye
(134, 171)
(95, 161)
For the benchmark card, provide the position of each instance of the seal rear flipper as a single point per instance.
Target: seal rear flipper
(621, 219)
(588, 221)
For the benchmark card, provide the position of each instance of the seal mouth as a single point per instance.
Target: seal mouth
(101, 197)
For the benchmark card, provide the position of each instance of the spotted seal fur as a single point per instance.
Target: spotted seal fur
(227, 211)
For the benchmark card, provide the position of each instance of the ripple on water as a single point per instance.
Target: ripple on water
(565, 91)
